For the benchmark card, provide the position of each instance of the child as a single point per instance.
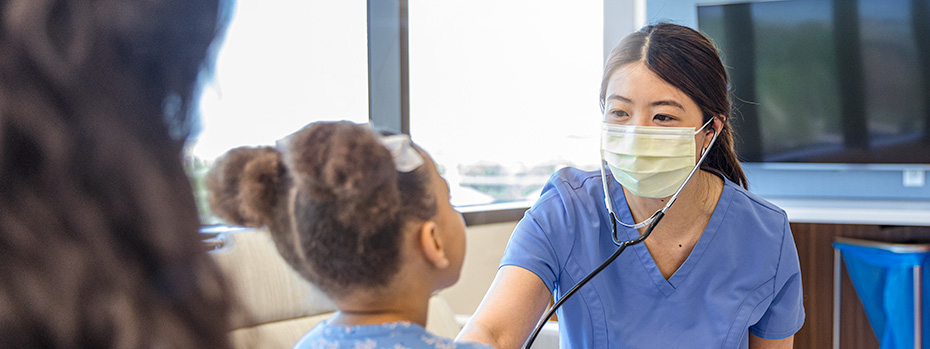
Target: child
(365, 217)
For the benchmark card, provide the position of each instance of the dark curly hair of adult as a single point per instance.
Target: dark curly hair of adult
(335, 204)
(99, 242)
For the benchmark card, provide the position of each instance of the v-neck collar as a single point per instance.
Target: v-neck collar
(679, 276)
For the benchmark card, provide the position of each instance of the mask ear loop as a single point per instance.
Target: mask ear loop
(609, 202)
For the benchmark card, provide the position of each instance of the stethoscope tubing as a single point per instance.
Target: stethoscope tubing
(621, 244)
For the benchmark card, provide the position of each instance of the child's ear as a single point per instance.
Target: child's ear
(432, 245)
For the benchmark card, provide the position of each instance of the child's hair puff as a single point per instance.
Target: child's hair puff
(333, 200)
(243, 185)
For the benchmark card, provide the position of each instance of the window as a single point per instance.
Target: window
(283, 64)
(504, 93)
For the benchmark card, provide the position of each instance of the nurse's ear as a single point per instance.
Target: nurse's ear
(717, 125)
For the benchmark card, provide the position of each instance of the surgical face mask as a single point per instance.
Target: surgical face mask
(649, 161)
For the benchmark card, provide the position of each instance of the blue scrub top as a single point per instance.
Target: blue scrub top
(742, 275)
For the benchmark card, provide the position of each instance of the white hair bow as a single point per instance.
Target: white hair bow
(406, 158)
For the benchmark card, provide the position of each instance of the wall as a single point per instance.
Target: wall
(484, 249)
(621, 17)
(682, 12)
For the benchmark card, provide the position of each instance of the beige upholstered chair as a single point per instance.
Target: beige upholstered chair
(276, 306)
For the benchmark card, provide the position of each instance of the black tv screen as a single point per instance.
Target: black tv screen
(825, 81)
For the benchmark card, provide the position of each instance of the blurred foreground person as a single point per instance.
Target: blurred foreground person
(99, 242)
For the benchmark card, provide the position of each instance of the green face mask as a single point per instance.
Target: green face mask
(649, 161)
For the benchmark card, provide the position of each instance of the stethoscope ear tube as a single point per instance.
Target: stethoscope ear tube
(623, 245)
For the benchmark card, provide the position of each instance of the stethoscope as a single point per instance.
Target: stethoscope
(650, 224)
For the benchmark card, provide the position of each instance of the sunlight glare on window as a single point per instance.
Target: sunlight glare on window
(504, 93)
(283, 64)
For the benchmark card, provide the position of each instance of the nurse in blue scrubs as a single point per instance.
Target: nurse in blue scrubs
(720, 271)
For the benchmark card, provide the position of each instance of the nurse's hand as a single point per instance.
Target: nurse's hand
(509, 311)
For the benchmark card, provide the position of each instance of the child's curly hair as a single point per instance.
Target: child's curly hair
(333, 201)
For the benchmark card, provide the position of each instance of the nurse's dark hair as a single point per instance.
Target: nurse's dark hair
(351, 207)
(99, 231)
(689, 61)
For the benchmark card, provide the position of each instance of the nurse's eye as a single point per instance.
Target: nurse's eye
(663, 118)
(616, 114)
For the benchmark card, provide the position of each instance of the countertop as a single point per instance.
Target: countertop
(851, 211)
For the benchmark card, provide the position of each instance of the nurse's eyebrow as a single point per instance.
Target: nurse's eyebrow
(620, 98)
(665, 102)
(669, 103)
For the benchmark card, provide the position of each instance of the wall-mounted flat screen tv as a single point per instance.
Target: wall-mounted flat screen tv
(821, 81)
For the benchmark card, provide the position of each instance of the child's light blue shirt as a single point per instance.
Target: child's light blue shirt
(393, 335)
